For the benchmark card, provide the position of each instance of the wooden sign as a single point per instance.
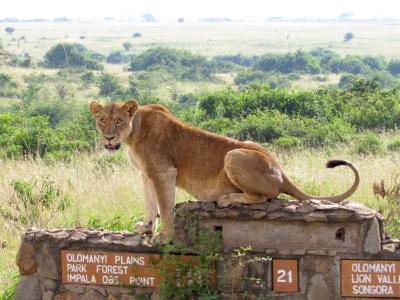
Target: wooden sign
(114, 268)
(370, 278)
(285, 275)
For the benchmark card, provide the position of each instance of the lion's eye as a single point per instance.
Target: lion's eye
(119, 121)
(102, 121)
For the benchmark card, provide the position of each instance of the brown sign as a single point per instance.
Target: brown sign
(370, 278)
(285, 275)
(114, 268)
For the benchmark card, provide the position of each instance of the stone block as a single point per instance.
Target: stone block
(372, 243)
(26, 259)
(318, 289)
(28, 288)
(288, 236)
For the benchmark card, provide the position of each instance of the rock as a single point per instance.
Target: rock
(315, 217)
(49, 284)
(339, 215)
(318, 289)
(47, 258)
(290, 208)
(389, 248)
(92, 295)
(271, 251)
(48, 295)
(316, 252)
(284, 252)
(77, 237)
(192, 205)
(65, 295)
(306, 208)
(26, 260)
(316, 264)
(233, 213)
(28, 288)
(260, 206)
(259, 215)
(203, 214)
(298, 252)
(276, 215)
(208, 206)
(74, 288)
(221, 213)
(372, 243)
(331, 252)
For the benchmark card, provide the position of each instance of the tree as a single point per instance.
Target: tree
(9, 30)
(127, 46)
(149, 18)
(137, 35)
(180, 20)
(348, 36)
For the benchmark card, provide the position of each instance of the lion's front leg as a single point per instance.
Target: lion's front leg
(149, 225)
(164, 186)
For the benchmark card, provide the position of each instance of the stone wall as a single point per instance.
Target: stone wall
(317, 234)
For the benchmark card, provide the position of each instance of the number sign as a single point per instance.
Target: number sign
(285, 275)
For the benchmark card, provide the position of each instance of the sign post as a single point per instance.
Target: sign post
(285, 275)
(370, 278)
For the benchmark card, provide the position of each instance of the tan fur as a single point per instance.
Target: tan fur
(208, 166)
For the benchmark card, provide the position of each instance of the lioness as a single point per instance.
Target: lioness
(208, 166)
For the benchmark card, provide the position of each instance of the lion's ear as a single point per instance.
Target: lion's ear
(130, 107)
(95, 108)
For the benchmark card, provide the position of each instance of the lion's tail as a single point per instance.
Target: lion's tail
(290, 189)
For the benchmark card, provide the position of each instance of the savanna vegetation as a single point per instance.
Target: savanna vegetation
(307, 106)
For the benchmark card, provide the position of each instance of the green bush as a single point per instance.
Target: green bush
(117, 57)
(182, 64)
(287, 142)
(394, 67)
(287, 63)
(394, 145)
(108, 84)
(369, 144)
(70, 55)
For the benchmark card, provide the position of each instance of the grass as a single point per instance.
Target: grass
(107, 193)
(211, 39)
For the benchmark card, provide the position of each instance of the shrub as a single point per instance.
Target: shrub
(287, 142)
(182, 64)
(348, 36)
(394, 67)
(64, 55)
(388, 198)
(369, 144)
(108, 84)
(117, 57)
(9, 30)
(287, 63)
(137, 35)
(35, 204)
(127, 46)
(394, 145)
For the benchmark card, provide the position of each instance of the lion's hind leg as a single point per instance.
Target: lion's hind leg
(254, 173)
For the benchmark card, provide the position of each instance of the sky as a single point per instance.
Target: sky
(165, 10)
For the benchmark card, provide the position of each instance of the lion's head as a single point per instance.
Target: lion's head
(114, 120)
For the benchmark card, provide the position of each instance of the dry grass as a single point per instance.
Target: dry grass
(211, 39)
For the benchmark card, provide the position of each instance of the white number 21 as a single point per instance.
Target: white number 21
(284, 276)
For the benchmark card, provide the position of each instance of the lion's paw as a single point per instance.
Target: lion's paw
(144, 228)
(160, 238)
(224, 202)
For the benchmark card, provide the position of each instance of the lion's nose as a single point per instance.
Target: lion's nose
(109, 137)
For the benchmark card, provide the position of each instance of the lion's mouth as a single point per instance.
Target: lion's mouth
(112, 147)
